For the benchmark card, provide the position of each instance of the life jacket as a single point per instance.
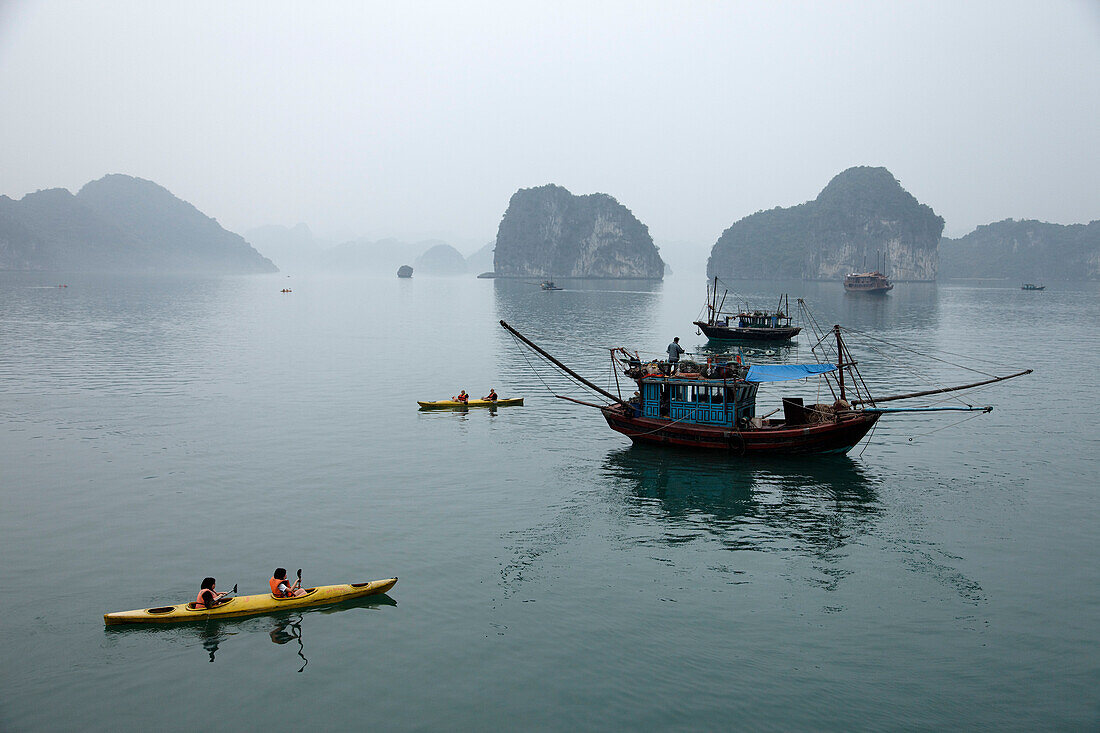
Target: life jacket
(463, 398)
(274, 583)
(199, 602)
(492, 396)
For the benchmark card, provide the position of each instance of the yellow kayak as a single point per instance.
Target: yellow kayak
(445, 404)
(249, 605)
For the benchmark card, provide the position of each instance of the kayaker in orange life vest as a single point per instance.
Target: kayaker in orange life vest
(281, 587)
(492, 396)
(208, 597)
(462, 397)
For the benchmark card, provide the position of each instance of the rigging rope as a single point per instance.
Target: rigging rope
(585, 389)
(927, 356)
(945, 427)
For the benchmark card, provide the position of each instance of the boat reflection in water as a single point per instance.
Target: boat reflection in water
(809, 504)
(282, 627)
(783, 353)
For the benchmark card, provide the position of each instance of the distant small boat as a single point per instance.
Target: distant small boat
(549, 285)
(286, 290)
(1032, 286)
(867, 282)
(874, 282)
(455, 404)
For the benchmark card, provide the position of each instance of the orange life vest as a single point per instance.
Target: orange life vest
(274, 583)
(200, 603)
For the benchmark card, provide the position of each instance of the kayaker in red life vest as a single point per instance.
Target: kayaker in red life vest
(462, 397)
(208, 597)
(492, 396)
(281, 587)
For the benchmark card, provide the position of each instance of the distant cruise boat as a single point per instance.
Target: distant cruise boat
(867, 282)
(1031, 286)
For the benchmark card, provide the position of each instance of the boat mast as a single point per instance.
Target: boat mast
(559, 365)
(712, 300)
(839, 359)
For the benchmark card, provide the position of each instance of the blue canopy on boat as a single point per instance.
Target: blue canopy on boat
(784, 372)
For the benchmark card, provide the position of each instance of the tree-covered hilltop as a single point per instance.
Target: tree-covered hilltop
(548, 232)
(1028, 251)
(861, 216)
(118, 223)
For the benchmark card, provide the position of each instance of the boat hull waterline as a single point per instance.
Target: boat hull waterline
(452, 404)
(823, 438)
(731, 333)
(322, 595)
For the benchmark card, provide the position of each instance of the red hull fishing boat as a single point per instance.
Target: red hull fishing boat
(714, 408)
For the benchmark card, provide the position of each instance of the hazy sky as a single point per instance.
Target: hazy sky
(421, 119)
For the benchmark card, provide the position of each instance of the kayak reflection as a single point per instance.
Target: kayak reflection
(287, 631)
(282, 628)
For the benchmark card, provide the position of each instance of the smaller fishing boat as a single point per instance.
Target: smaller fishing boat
(745, 324)
(249, 605)
(1032, 286)
(455, 404)
(549, 285)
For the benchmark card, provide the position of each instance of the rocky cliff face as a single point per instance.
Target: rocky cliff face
(862, 216)
(119, 223)
(548, 232)
(1028, 251)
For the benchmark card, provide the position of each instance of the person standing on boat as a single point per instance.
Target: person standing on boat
(492, 396)
(281, 587)
(674, 351)
(208, 597)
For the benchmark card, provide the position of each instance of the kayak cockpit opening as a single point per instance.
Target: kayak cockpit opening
(192, 606)
(161, 609)
(360, 585)
(309, 592)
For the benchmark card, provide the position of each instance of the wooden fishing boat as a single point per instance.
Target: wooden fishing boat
(745, 324)
(249, 605)
(455, 404)
(715, 407)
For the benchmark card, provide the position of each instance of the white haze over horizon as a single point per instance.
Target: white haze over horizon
(419, 120)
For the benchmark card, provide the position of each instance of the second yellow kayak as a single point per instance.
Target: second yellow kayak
(445, 404)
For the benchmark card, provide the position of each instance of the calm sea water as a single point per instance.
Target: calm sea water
(945, 575)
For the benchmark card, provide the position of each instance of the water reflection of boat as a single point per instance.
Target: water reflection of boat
(280, 627)
(757, 353)
(820, 504)
(702, 482)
